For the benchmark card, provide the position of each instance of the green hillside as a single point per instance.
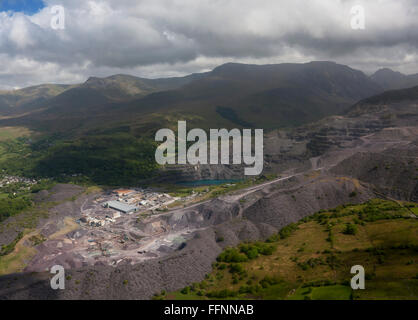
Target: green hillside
(112, 159)
(28, 99)
(387, 97)
(312, 258)
(89, 129)
(264, 96)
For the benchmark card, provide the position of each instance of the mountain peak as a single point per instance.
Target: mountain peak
(389, 79)
(92, 80)
(387, 72)
(330, 63)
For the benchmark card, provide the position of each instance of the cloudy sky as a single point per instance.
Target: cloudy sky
(159, 38)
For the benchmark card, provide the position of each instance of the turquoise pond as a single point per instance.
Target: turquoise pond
(199, 183)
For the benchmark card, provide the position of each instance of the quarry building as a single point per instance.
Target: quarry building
(120, 206)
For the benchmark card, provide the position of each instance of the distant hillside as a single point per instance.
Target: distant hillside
(394, 96)
(283, 95)
(95, 91)
(84, 131)
(264, 96)
(389, 79)
(27, 99)
(387, 99)
(232, 95)
(123, 87)
(393, 172)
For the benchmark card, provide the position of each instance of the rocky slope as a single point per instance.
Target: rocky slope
(244, 216)
(374, 123)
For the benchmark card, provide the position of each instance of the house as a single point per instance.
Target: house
(123, 192)
(94, 222)
(116, 215)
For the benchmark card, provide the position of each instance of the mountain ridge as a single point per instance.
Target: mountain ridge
(391, 80)
(265, 96)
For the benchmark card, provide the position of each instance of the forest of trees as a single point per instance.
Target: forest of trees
(110, 160)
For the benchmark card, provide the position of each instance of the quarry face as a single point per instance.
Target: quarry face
(100, 235)
(156, 249)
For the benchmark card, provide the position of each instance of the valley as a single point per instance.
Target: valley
(363, 145)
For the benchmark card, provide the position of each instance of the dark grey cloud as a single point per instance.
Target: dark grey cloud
(165, 37)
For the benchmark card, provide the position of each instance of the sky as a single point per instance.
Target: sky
(162, 38)
(25, 6)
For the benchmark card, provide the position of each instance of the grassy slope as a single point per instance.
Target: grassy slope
(7, 133)
(314, 261)
(114, 158)
(15, 261)
(232, 95)
(22, 249)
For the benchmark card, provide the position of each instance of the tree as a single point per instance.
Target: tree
(350, 229)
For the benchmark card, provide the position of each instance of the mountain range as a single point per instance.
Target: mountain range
(231, 95)
(104, 128)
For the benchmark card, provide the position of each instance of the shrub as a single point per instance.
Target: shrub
(236, 268)
(350, 229)
(269, 281)
(251, 251)
(222, 266)
(222, 294)
(185, 290)
(232, 255)
(288, 230)
(252, 289)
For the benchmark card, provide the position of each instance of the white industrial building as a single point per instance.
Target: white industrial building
(120, 206)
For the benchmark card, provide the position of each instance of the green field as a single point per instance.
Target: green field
(311, 260)
(335, 292)
(8, 133)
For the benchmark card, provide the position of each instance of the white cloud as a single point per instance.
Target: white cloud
(19, 32)
(173, 37)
